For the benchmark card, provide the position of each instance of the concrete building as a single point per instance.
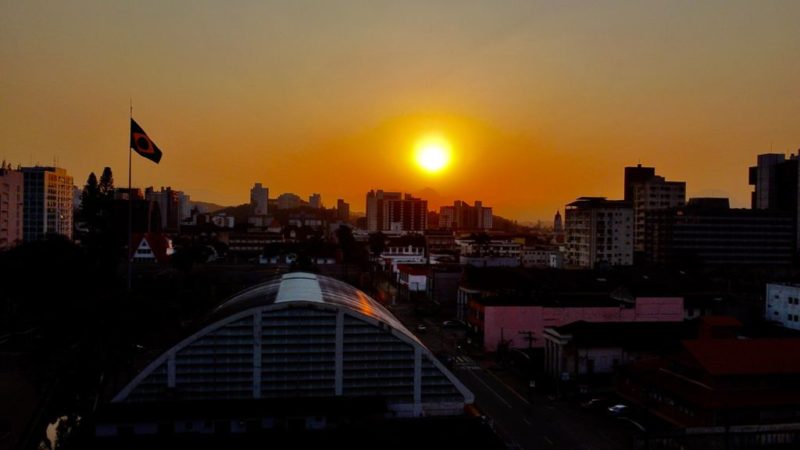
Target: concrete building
(298, 337)
(599, 231)
(776, 182)
(173, 205)
(653, 193)
(342, 210)
(707, 231)
(259, 200)
(783, 305)
(462, 216)
(47, 202)
(315, 201)
(514, 321)
(12, 185)
(391, 211)
(542, 256)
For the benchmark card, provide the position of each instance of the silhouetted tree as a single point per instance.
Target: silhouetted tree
(377, 243)
(106, 186)
(89, 198)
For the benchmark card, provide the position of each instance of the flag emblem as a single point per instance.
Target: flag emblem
(142, 144)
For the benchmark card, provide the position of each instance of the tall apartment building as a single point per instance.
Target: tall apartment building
(776, 186)
(173, 206)
(11, 204)
(259, 199)
(342, 210)
(315, 201)
(396, 212)
(47, 202)
(599, 231)
(462, 216)
(647, 191)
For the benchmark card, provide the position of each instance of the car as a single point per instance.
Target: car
(421, 327)
(618, 410)
(453, 324)
(595, 403)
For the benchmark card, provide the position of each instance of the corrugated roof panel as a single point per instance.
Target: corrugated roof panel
(299, 286)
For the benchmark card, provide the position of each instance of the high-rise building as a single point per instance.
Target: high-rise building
(462, 216)
(558, 225)
(171, 204)
(777, 183)
(406, 214)
(599, 231)
(342, 210)
(259, 199)
(634, 175)
(650, 194)
(315, 201)
(11, 205)
(47, 202)
(375, 208)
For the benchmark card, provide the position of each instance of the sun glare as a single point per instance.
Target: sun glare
(433, 153)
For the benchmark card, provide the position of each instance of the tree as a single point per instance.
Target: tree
(89, 198)
(106, 186)
(377, 243)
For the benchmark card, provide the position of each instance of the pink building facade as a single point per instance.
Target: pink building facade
(513, 324)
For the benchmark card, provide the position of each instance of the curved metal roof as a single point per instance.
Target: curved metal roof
(308, 287)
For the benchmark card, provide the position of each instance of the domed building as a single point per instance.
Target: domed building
(300, 339)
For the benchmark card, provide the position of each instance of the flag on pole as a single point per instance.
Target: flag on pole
(142, 144)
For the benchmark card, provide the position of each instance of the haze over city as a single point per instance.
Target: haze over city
(540, 102)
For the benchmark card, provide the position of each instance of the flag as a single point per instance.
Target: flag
(142, 144)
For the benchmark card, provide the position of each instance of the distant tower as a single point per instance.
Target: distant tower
(315, 201)
(558, 225)
(259, 196)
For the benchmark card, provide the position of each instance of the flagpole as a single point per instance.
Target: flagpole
(130, 206)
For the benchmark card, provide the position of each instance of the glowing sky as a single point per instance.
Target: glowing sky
(542, 101)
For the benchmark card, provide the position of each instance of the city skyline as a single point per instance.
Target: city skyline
(541, 103)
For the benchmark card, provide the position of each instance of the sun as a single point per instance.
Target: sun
(432, 153)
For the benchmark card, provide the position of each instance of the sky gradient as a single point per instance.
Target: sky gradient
(543, 101)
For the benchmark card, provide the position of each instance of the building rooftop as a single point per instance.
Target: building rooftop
(745, 356)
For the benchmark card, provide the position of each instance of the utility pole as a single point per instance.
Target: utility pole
(528, 335)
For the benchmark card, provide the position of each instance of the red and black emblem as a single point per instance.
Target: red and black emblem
(142, 144)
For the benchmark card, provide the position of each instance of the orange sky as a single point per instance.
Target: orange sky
(544, 101)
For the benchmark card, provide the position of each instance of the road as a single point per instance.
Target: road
(525, 420)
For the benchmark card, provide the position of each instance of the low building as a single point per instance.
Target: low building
(589, 353)
(518, 322)
(542, 256)
(719, 382)
(413, 277)
(783, 305)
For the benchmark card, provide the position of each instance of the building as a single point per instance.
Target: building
(599, 231)
(542, 255)
(782, 305)
(292, 339)
(315, 201)
(636, 175)
(413, 277)
(391, 211)
(589, 353)
(707, 231)
(289, 201)
(489, 252)
(648, 194)
(519, 322)
(259, 200)
(776, 184)
(172, 204)
(719, 382)
(47, 202)
(12, 185)
(342, 210)
(462, 216)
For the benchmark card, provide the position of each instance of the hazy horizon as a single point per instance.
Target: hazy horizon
(542, 102)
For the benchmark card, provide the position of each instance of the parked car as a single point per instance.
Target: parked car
(618, 410)
(595, 403)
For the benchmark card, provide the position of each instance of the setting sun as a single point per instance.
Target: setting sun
(432, 153)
